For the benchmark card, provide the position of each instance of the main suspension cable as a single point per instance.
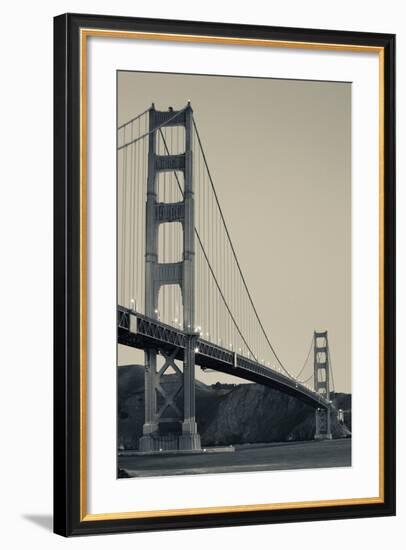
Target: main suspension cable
(235, 255)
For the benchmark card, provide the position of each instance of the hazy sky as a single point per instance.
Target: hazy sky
(279, 152)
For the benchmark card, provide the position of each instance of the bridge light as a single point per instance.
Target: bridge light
(196, 350)
(175, 320)
(132, 304)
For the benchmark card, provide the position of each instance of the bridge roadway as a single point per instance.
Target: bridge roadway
(138, 331)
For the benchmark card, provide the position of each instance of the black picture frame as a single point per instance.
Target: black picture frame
(68, 519)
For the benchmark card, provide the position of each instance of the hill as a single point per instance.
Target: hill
(226, 414)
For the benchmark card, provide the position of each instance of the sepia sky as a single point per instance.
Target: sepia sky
(279, 152)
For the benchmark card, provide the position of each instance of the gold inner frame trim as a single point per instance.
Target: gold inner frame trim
(173, 37)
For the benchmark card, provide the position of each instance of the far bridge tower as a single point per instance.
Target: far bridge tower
(322, 384)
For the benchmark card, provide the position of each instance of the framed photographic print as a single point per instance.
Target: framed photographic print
(224, 274)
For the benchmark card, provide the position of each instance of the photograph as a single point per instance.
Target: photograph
(233, 202)
(224, 268)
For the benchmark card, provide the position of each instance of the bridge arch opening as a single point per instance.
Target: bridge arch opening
(171, 305)
(170, 242)
(170, 186)
(171, 140)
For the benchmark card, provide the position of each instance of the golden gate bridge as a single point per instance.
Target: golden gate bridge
(182, 295)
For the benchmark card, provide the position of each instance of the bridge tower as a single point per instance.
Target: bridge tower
(167, 426)
(322, 384)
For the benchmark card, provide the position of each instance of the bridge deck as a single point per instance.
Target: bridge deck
(138, 331)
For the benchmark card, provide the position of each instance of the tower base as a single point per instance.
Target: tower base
(323, 424)
(157, 443)
(320, 437)
(189, 442)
